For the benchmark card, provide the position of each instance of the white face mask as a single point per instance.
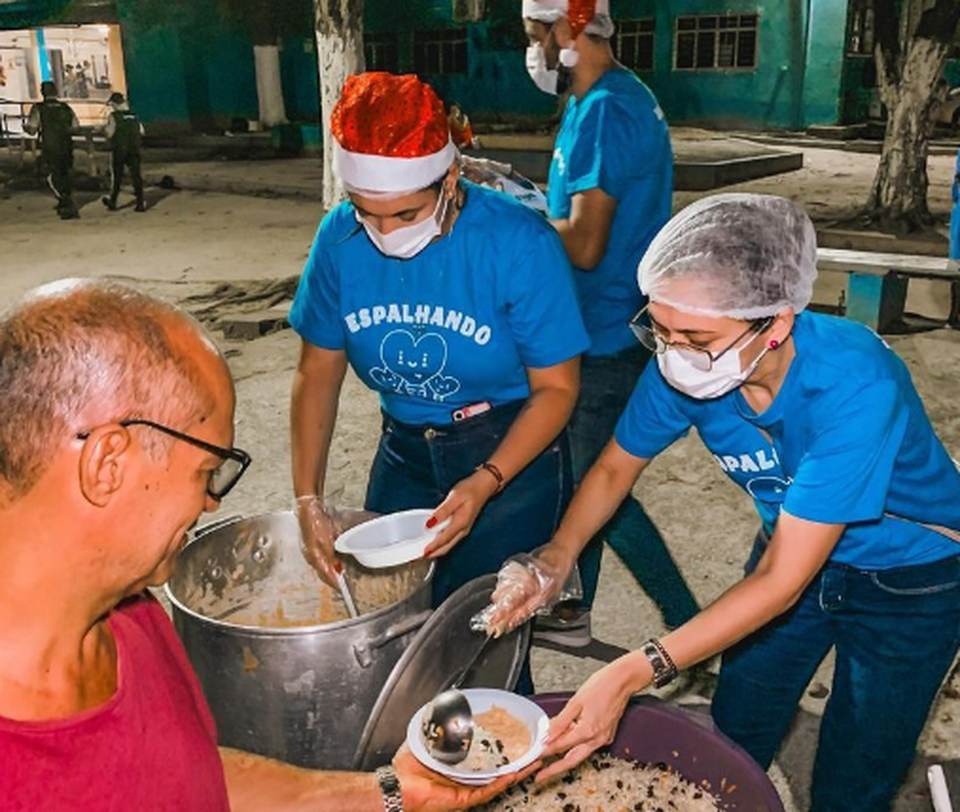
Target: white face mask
(724, 376)
(407, 242)
(544, 78)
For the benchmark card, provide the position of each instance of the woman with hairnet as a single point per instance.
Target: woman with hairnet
(819, 422)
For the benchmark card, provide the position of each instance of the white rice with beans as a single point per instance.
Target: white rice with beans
(607, 784)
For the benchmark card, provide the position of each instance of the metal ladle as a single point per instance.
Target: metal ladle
(448, 727)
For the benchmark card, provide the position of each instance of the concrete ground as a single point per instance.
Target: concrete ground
(191, 241)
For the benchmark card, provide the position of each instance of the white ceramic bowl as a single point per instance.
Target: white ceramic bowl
(482, 699)
(390, 540)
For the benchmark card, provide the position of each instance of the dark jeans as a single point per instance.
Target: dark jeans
(606, 383)
(896, 633)
(416, 466)
(119, 160)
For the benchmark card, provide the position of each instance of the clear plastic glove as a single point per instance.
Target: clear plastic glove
(528, 584)
(320, 525)
(483, 170)
(504, 178)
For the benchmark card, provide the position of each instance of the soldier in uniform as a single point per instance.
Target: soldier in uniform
(124, 131)
(56, 122)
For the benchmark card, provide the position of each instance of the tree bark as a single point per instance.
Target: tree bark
(910, 61)
(339, 55)
(266, 60)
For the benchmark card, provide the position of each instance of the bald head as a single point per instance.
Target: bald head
(75, 354)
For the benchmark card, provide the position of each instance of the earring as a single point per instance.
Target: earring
(774, 344)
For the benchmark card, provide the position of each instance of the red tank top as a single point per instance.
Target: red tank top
(152, 747)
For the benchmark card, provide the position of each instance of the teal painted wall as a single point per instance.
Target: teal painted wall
(195, 74)
(778, 92)
(496, 81)
(301, 82)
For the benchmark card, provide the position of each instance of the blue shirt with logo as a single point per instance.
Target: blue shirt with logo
(845, 441)
(616, 139)
(457, 324)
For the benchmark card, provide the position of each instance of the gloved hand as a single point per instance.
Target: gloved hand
(320, 525)
(483, 170)
(317, 534)
(528, 584)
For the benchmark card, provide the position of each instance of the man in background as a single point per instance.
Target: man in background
(124, 131)
(55, 123)
(609, 193)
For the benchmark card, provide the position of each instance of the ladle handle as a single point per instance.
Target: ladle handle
(347, 597)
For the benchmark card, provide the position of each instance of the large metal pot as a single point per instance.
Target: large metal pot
(299, 693)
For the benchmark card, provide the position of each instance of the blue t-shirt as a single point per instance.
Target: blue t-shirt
(457, 324)
(616, 139)
(849, 442)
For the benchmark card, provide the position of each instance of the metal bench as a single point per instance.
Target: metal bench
(877, 283)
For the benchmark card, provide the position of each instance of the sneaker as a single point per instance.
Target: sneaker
(565, 627)
(110, 204)
(140, 207)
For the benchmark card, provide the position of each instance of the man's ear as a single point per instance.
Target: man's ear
(103, 463)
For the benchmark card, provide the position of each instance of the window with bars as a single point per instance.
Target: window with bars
(633, 44)
(441, 51)
(860, 33)
(381, 51)
(716, 42)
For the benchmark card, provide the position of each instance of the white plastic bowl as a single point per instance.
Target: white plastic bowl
(390, 540)
(481, 700)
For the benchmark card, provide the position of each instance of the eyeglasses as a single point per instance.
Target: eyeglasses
(223, 477)
(698, 357)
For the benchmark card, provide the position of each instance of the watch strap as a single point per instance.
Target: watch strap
(390, 787)
(664, 669)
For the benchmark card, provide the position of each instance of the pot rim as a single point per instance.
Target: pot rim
(266, 631)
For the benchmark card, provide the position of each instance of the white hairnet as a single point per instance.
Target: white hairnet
(737, 255)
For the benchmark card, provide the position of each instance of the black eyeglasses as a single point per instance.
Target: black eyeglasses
(223, 477)
(699, 357)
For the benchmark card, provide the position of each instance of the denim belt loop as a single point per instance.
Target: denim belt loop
(833, 582)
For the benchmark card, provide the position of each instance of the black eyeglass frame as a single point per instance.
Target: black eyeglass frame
(641, 331)
(237, 455)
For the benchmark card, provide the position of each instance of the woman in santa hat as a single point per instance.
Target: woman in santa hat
(457, 305)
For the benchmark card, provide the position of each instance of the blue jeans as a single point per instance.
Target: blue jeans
(416, 466)
(606, 383)
(896, 633)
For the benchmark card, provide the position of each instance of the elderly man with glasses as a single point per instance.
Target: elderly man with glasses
(116, 434)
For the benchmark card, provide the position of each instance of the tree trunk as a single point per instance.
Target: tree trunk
(266, 60)
(913, 38)
(899, 192)
(339, 55)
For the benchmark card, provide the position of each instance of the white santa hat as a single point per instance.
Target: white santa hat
(391, 135)
(592, 16)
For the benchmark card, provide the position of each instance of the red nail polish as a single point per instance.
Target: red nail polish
(338, 566)
(431, 522)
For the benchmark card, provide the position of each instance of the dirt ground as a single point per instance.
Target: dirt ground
(188, 242)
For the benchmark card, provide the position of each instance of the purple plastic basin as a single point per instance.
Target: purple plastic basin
(653, 732)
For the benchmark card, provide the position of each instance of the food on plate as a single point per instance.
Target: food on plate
(498, 738)
(608, 784)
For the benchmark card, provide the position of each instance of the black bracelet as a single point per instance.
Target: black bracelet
(664, 669)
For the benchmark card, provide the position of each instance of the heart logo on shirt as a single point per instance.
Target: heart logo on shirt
(414, 365)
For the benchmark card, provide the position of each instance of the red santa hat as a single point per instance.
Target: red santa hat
(580, 13)
(390, 135)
